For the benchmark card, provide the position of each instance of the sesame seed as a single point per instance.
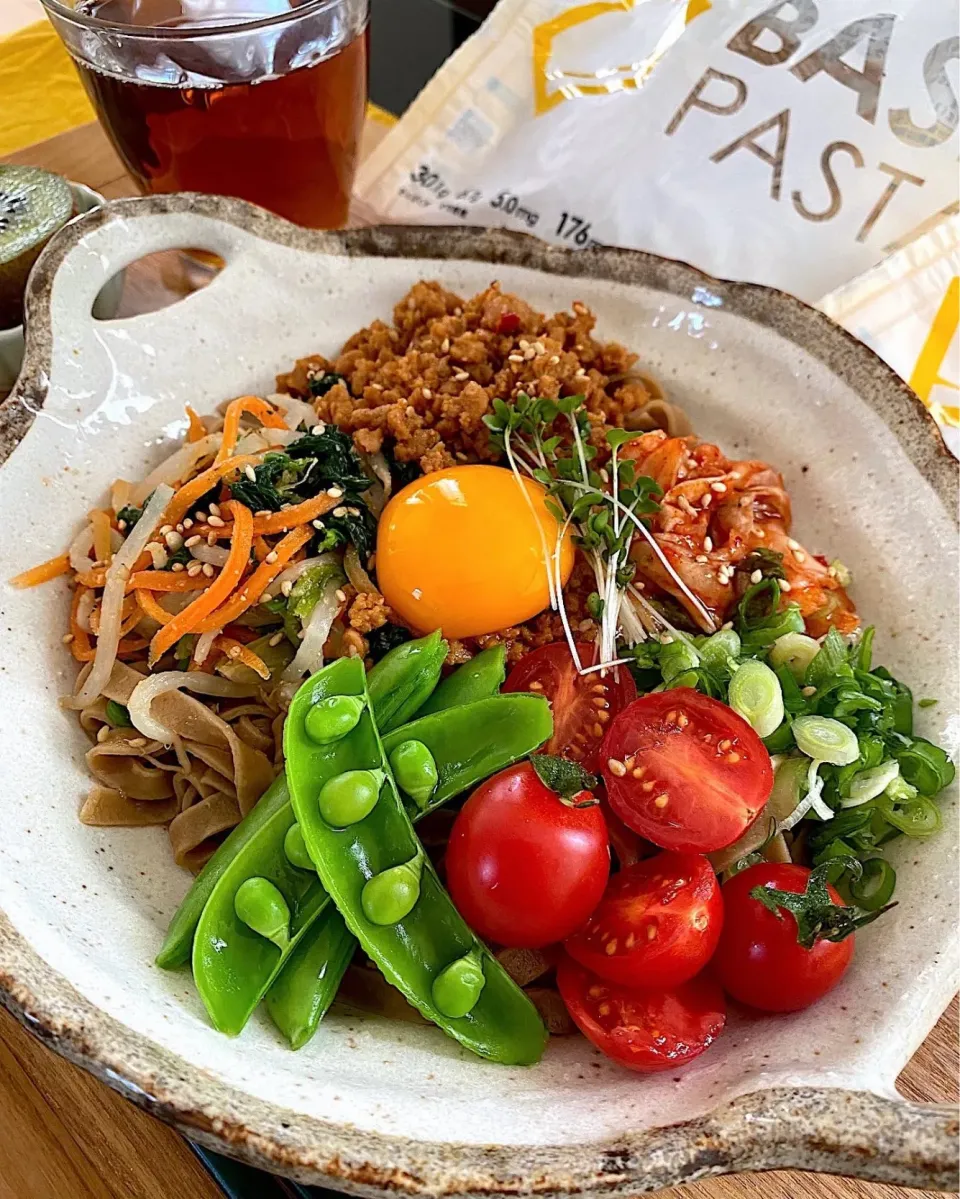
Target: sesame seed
(266, 597)
(271, 557)
(317, 524)
(584, 625)
(666, 639)
(121, 525)
(200, 516)
(341, 596)
(554, 359)
(808, 691)
(180, 528)
(661, 801)
(164, 529)
(187, 523)
(445, 345)
(685, 506)
(539, 347)
(177, 567)
(211, 539)
(707, 545)
(208, 570)
(194, 540)
(173, 539)
(354, 511)
(761, 532)
(215, 522)
(426, 393)
(794, 545)
(800, 556)
(103, 732)
(275, 639)
(250, 473)
(67, 638)
(461, 376)
(334, 492)
(529, 354)
(784, 585)
(286, 587)
(719, 488)
(701, 558)
(515, 358)
(194, 569)
(137, 742)
(341, 511)
(233, 651)
(318, 430)
(215, 509)
(616, 767)
(706, 500)
(756, 576)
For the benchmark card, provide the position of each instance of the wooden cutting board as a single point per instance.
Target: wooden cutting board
(64, 1135)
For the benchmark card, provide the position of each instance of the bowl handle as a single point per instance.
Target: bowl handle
(96, 247)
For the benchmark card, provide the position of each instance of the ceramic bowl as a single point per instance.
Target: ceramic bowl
(372, 1106)
(11, 340)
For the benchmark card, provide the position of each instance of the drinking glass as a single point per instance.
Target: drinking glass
(260, 99)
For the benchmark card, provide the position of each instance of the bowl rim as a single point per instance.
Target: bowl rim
(826, 1129)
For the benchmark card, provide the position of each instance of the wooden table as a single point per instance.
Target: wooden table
(63, 1135)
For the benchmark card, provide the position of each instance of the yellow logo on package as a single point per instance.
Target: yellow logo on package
(926, 374)
(552, 87)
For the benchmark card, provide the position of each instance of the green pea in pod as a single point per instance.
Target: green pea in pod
(415, 770)
(349, 797)
(457, 987)
(389, 896)
(261, 906)
(333, 718)
(295, 848)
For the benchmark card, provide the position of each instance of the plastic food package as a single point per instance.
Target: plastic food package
(794, 143)
(907, 309)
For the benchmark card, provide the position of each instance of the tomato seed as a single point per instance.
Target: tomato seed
(616, 767)
(599, 702)
(700, 921)
(598, 730)
(724, 745)
(639, 771)
(661, 801)
(603, 717)
(648, 786)
(611, 946)
(604, 1009)
(672, 716)
(683, 720)
(733, 757)
(596, 992)
(631, 940)
(651, 931)
(535, 686)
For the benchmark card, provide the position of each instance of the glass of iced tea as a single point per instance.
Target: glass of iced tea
(260, 99)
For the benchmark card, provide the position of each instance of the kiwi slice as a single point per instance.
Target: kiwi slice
(33, 205)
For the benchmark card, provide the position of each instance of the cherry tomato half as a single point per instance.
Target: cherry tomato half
(759, 960)
(643, 1030)
(657, 924)
(524, 868)
(685, 771)
(583, 704)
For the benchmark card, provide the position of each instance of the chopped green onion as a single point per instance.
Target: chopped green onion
(787, 782)
(914, 816)
(831, 655)
(717, 650)
(677, 657)
(927, 703)
(756, 696)
(926, 767)
(875, 886)
(118, 715)
(868, 784)
(795, 651)
(826, 740)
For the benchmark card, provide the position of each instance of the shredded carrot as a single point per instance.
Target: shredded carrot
(260, 548)
(237, 652)
(152, 608)
(98, 577)
(133, 618)
(191, 492)
(196, 430)
(267, 416)
(100, 521)
(189, 619)
(132, 645)
(259, 581)
(299, 514)
(53, 568)
(166, 580)
(80, 646)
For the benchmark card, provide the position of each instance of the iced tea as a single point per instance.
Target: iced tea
(261, 99)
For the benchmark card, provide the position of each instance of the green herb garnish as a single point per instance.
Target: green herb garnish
(568, 779)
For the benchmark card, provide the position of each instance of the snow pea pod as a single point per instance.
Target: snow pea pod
(302, 992)
(401, 681)
(179, 939)
(467, 744)
(392, 900)
(404, 679)
(479, 678)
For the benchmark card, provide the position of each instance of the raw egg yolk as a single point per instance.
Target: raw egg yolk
(463, 550)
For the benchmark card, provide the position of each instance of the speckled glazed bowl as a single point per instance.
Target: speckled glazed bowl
(372, 1106)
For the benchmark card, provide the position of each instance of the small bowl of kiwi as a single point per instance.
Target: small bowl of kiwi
(34, 205)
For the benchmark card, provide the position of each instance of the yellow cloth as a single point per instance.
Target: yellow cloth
(41, 93)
